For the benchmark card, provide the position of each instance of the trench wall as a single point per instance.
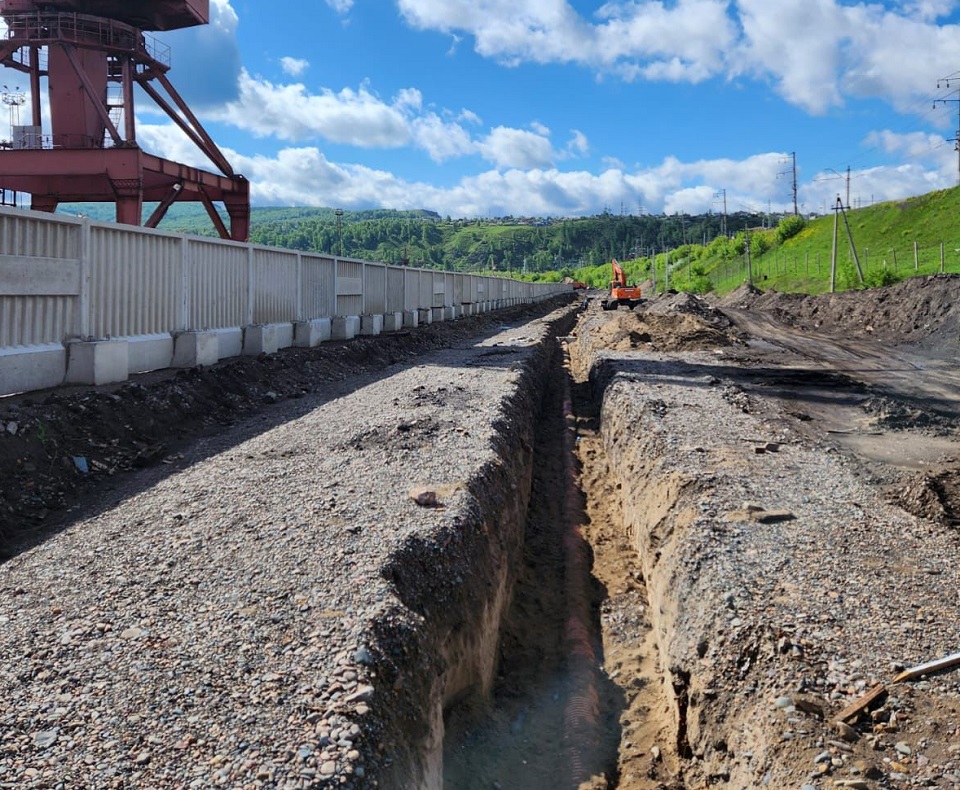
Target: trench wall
(439, 645)
(677, 475)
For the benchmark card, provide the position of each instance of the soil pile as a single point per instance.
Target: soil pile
(916, 310)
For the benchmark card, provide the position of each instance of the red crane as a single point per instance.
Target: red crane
(82, 48)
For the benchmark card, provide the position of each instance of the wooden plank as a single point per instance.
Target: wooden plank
(861, 704)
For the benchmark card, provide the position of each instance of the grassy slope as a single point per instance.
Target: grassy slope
(884, 236)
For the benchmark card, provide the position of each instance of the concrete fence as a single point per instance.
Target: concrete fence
(85, 302)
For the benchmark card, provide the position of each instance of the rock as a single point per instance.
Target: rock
(132, 633)
(44, 739)
(142, 759)
(846, 732)
(362, 694)
(424, 496)
(329, 768)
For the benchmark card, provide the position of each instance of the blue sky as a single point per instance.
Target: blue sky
(568, 107)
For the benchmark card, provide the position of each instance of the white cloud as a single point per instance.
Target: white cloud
(506, 147)
(305, 176)
(815, 52)
(340, 6)
(295, 67)
(578, 145)
(290, 112)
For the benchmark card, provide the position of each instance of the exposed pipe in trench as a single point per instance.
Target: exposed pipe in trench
(581, 716)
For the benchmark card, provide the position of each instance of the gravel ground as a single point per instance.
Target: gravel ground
(782, 582)
(249, 614)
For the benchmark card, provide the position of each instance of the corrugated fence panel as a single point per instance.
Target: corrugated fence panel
(319, 293)
(34, 320)
(136, 281)
(458, 289)
(396, 295)
(425, 283)
(275, 285)
(219, 282)
(439, 289)
(448, 290)
(37, 318)
(48, 236)
(374, 288)
(349, 287)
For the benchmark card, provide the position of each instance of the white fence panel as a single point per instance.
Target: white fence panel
(35, 307)
(275, 285)
(374, 288)
(136, 282)
(319, 286)
(396, 293)
(349, 287)
(219, 283)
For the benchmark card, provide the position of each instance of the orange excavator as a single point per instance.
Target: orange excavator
(620, 292)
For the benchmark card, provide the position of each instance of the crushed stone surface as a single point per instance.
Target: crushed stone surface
(205, 622)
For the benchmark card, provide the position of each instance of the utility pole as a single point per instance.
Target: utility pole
(848, 187)
(793, 156)
(793, 172)
(339, 215)
(723, 222)
(956, 138)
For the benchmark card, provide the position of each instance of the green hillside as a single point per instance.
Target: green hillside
(892, 240)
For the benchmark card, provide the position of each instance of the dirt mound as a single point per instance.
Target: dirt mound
(910, 311)
(650, 332)
(933, 496)
(689, 304)
(672, 322)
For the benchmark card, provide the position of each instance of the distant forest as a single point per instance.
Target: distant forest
(423, 238)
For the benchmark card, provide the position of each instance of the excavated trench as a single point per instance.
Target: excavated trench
(578, 692)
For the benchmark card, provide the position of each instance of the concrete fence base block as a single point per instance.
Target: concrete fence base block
(149, 352)
(392, 322)
(97, 362)
(230, 342)
(411, 319)
(439, 314)
(345, 327)
(449, 313)
(284, 334)
(191, 349)
(260, 339)
(28, 368)
(425, 315)
(307, 334)
(458, 311)
(371, 324)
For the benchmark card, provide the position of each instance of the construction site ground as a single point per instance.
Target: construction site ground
(769, 487)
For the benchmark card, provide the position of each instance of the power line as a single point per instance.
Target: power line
(956, 139)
